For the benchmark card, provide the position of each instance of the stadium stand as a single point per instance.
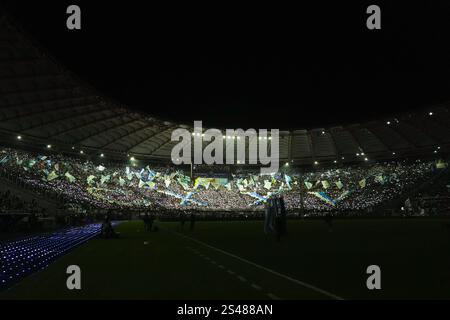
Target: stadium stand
(57, 132)
(142, 187)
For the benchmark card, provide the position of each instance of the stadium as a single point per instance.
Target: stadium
(91, 182)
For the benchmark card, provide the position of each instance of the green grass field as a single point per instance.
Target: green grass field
(235, 260)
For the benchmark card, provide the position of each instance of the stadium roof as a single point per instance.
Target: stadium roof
(44, 104)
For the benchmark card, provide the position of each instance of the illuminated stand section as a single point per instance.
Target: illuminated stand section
(21, 257)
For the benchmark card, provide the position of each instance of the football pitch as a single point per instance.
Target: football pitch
(236, 260)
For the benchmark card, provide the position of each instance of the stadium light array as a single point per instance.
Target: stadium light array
(30, 254)
(366, 159)
(81, 152)
(19, 137)
(430, 113)
(388, 122)
(49, 146)
(316, 163)
(132, 158)
(73, 148)
(335, 161)
(393, 153)
(286, 164)
(102, 155)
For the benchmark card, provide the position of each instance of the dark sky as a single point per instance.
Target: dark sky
(263, 66)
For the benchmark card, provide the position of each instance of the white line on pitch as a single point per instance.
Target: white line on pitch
(255, 286)
(301, 283)
(273, 297)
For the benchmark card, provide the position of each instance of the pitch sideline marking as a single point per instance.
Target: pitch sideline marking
(254, 286)
(301, 283)
(273, 297)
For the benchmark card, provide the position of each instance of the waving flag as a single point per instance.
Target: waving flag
(31, 163)
(104, 179)
(151, 184)
(184, 200)
(251, 181)
(362, 183)
(52, 176)
(308, 185)
(183, 183)
(167, 181)
(325, 184)
(379, 179)
(4, 159)
(288, 180)
(441, 164)
(259, 198)
(70, 177)
(342, 196)
(90, 179)
(197, 183)
(150, 171)
(324, 197)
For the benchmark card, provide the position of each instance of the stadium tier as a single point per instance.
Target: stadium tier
(346, 189)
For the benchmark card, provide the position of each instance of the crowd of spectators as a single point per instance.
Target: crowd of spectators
(84, 184)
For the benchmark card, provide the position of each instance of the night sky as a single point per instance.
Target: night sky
(262, 66)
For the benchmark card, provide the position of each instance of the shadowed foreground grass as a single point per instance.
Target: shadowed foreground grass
(413, 254)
